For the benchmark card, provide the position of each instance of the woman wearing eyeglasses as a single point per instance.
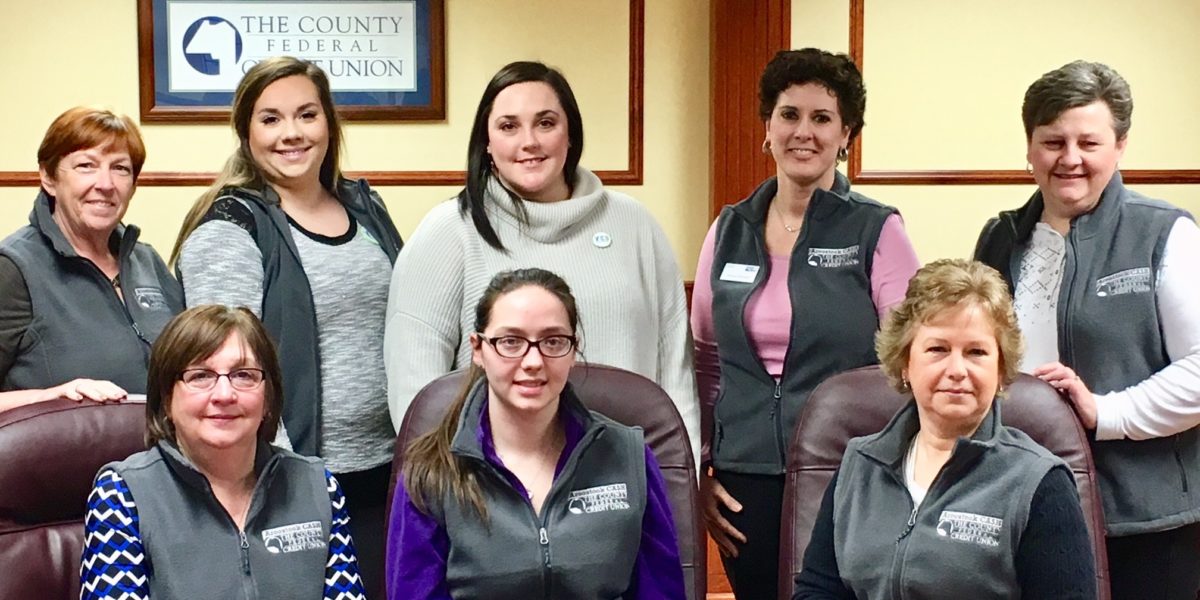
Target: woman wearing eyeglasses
(212, 510)
(521, 492)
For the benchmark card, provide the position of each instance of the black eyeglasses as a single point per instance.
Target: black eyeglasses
(203, 380)
(515, 346)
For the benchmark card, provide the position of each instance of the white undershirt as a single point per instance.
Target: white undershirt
(916, 490)
(1167, 402)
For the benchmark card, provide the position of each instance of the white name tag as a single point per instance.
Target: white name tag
(739, 273)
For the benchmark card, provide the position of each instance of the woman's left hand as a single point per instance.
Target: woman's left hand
(1064, 379)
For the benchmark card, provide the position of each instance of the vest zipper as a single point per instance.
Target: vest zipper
(777, 416)
(1066, 348)
(544, 540)
(245, 544)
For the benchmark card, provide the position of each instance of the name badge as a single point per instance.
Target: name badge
(739, 273)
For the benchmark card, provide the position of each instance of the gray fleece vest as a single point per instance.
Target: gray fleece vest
(962, 541)
(584, 543)
(288, 313)
(195, 550)
(833, 318)
(81, 327)
(1109, 332)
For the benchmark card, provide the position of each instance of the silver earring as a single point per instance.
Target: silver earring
(843, 154)
(904, 382)
(766, 147)
(1029, 168)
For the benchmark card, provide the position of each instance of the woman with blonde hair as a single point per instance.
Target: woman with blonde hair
(946, 502)
(284, 234)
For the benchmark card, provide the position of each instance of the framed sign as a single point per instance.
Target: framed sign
(385, 58)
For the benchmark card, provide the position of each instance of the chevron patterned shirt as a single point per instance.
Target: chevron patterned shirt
(114, 565)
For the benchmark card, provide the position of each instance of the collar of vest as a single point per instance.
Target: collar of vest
(1021, 221)
(891, 443)
(41, 218)
(466, 439)
(822, 205)
(264, 463)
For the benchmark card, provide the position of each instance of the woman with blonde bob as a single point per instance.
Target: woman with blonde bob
(945, 501)
(212, 510)
(282, 233)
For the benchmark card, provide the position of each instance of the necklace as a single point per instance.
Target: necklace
(779, 213)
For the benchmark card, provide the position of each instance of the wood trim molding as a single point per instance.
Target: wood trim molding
(633, 174)
(861, 176)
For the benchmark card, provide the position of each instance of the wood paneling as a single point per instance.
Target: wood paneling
(745, 34)
(631, 175)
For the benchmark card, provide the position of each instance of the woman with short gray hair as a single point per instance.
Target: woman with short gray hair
(1103, 286)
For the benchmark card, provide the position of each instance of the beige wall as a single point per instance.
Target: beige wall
(69, 52)
(945, 80)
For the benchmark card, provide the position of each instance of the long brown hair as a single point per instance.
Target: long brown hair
(241, 170)
(430, 469)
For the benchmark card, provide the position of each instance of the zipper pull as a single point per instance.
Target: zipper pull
(543, 539)
(245, 542)
(778, 390)
(912, 522)
(138, 332)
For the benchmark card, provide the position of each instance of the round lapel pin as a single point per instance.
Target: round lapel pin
(601, 239)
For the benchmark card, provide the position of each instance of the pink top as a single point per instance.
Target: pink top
(768, 318)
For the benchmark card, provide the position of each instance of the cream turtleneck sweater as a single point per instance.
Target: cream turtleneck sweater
(632, 308)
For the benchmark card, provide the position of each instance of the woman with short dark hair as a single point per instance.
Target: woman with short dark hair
(1105, 288)
(81, 299)
(790, 286)
(212, 510)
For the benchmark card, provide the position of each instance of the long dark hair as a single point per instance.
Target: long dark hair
(430, 469)
(479, 165)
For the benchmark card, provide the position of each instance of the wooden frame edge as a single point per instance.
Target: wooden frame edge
(858, 175)
(149, 112)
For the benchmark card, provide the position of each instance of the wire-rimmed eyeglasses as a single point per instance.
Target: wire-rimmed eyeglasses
(203, 380)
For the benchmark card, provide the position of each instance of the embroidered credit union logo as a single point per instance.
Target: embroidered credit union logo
(294, 538)
(970, 527)
(832, 258)
(1129, 281)
(598, 499)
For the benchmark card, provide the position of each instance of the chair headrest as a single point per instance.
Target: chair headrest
(50, 453)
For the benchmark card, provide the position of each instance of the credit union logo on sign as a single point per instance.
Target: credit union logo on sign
(211, 45)
(363, 46)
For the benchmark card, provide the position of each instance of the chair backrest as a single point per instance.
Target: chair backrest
(860, 402)
(49, 455)
(624, 397)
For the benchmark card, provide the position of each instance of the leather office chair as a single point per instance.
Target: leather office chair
(49, 455)
(626, 398)
(860, 402)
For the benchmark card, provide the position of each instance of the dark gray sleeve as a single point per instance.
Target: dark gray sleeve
(16, 312)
